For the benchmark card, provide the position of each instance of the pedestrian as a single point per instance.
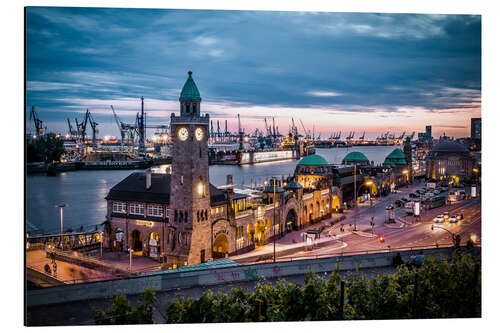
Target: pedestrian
(54, 268)
(47, 269)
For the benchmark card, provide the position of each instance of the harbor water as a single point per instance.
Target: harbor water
(84, 191)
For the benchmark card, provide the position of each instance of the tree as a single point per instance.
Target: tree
(48, 148)
(122, 313)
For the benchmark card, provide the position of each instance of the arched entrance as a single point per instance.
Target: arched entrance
(220, 247)
(154, 245)
(136, 240)
(291, 221)
(336, 203)
(259, 236)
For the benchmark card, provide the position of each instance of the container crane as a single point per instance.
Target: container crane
(121, 127)
(37, 122)
(240, 133)
(81, 128)
(93, 125)
(72, 132)
(363, 136)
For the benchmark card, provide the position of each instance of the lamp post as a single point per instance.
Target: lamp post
(274, 220)
(61, 207)
(454, 237)
(130, 260)
(368, 182)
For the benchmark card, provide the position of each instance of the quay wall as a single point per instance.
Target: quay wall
(166, 281)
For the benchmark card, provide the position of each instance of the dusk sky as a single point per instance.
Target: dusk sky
(336, 71)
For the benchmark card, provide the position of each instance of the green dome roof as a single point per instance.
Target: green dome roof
(190, 90)
(396, 154)
(313, 160)
(355, 156)
(293, 185)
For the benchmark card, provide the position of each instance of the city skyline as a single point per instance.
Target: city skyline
(336, 71)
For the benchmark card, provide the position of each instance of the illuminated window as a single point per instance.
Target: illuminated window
(119, 207)
(136, 209)
(155, 211)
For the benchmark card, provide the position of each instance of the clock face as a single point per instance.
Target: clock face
(198, 134)
(183, 133)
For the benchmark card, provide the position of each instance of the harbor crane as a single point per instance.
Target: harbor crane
(350, 136)
(81, 128)
(402, 136)
(306, 132)
(240, 133)
(363, 136)
(93, 125)
(411, 135)
(121, 127)
(141, 127)
(37, 122)
(72, 132)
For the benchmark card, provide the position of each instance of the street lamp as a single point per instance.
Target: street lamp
(274, 220)
(454, 237)
(368, 182)
(61, 207)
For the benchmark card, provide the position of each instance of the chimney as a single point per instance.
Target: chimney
(148, 179)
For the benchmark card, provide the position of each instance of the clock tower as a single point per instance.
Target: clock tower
(189, 185)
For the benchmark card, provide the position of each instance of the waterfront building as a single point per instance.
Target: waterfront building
(475, 128)
(449, 160)
(182, 219)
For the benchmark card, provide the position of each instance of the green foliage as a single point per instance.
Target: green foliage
(122, 313)
(443, 290)
(46, 148)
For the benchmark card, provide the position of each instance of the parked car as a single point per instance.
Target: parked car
(405, 200)
(460, 216)
(414, 195)
(436, 192)
(389, 207)
(420, 191)
(453, 219)
(398, 203)
(446, 215)
(439, 219)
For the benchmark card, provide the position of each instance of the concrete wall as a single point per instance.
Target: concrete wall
(163, 281)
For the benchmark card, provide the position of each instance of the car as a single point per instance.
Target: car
(405, 200)
(389, 207)
(420, 191)
(398, 203)
(453, 219)
(436, 192)
(446, 215)
(460, 216)
(414, 195)
(439, 219)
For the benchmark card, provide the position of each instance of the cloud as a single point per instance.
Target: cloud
(278, 64)
(319, 93)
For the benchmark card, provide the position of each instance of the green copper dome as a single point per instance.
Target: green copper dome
(293, 185)
(355, 156)
(313, 160)
(396, 154)
(190, 90)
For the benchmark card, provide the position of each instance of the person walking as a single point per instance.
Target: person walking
(54, 268)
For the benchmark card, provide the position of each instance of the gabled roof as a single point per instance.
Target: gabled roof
(133, 188)
(313, 160)
(355, 156)
(190, 90)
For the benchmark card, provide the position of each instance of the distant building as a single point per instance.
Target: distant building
(428, 132)
(475, 128)
(448, 160)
